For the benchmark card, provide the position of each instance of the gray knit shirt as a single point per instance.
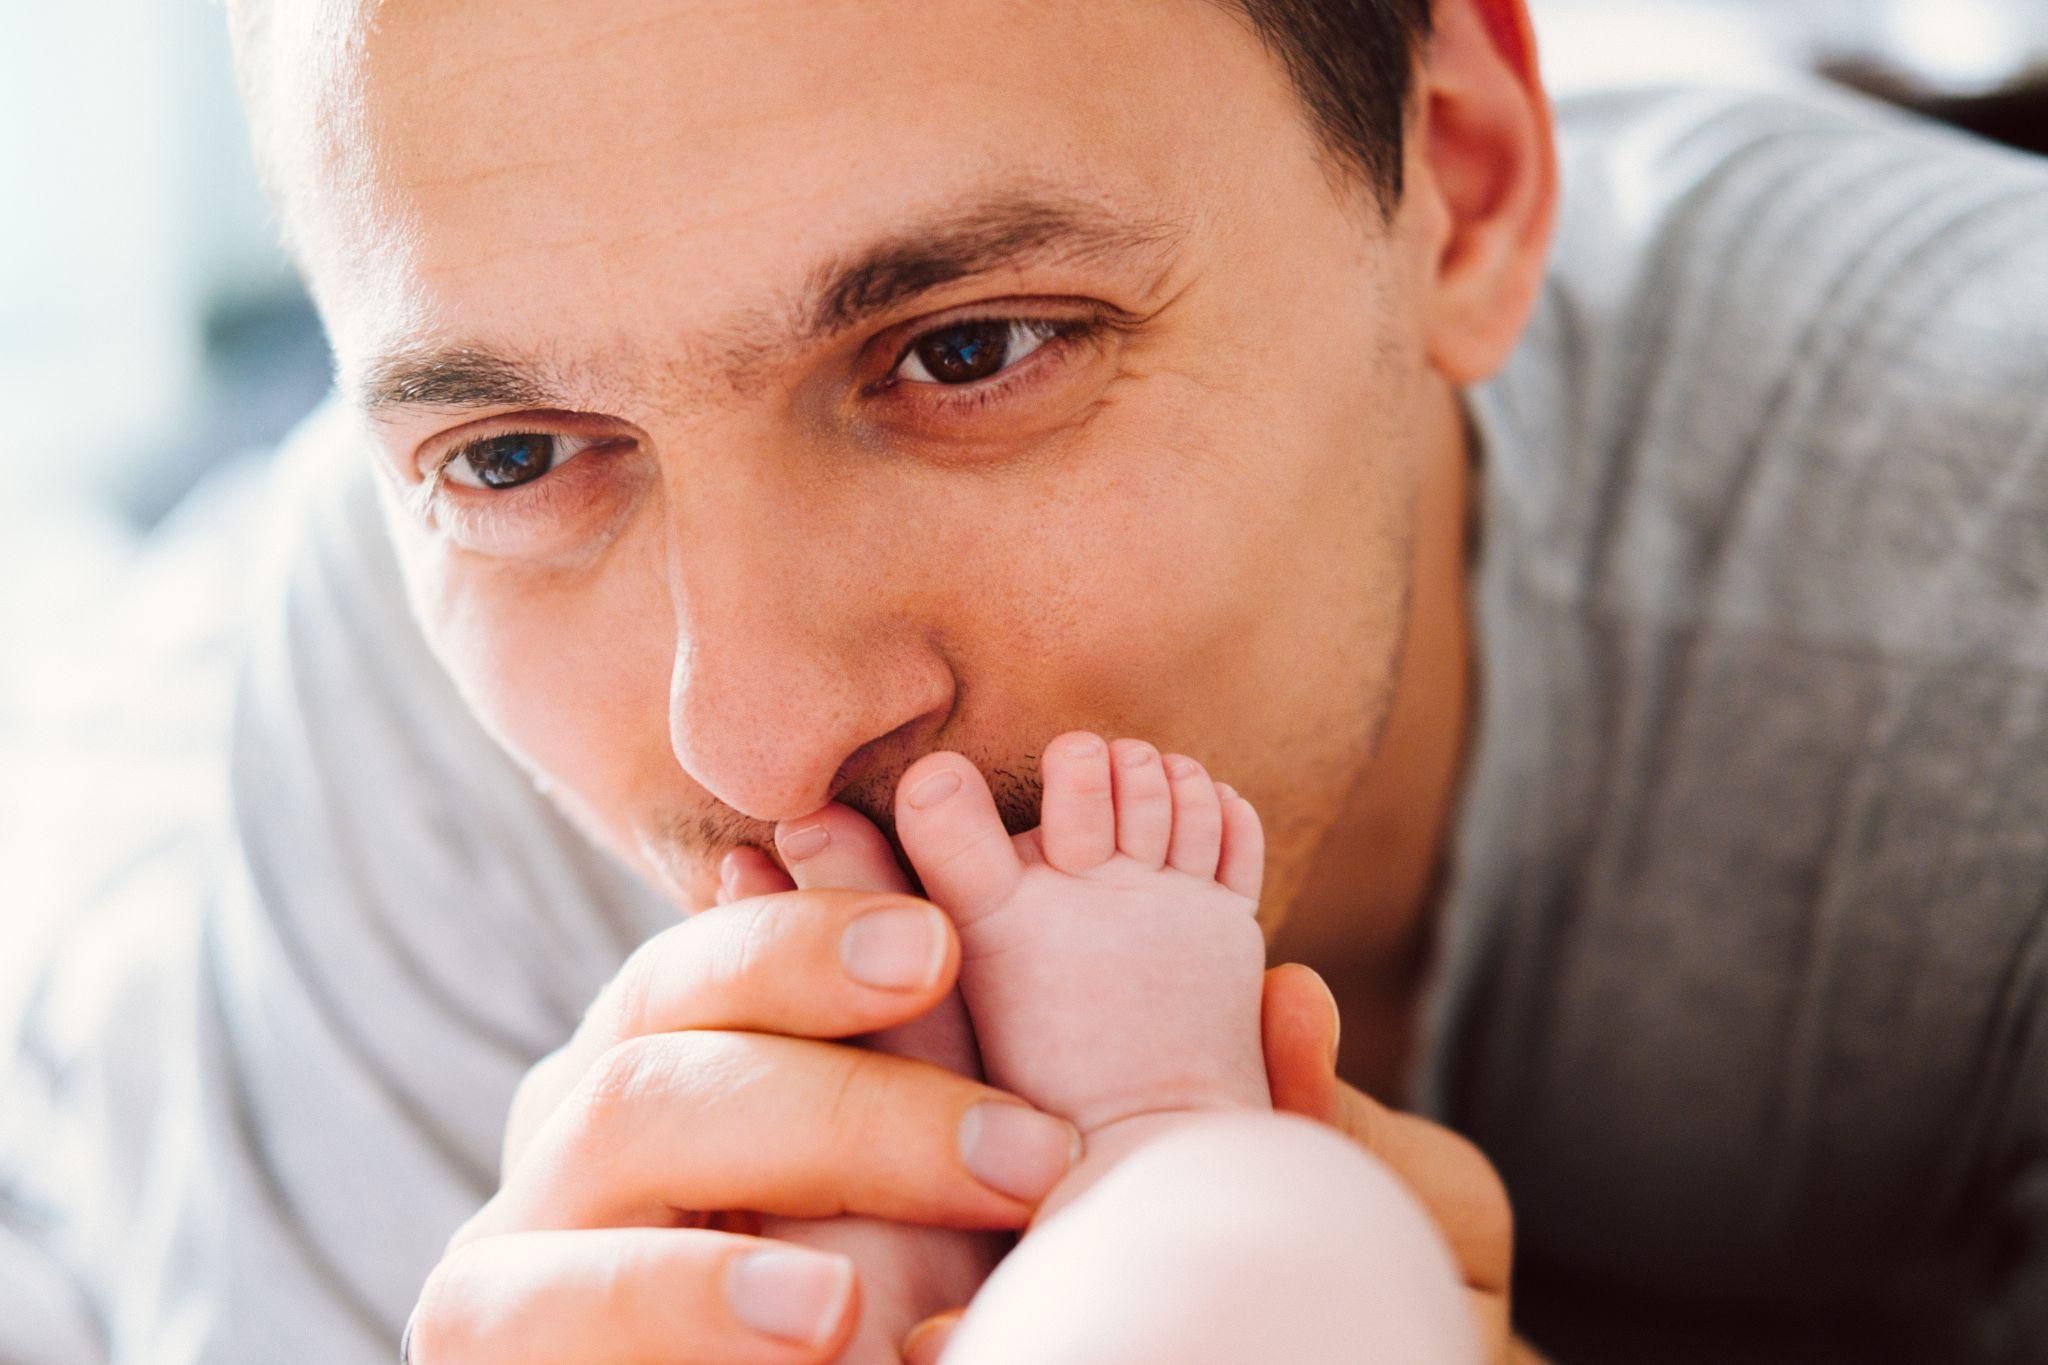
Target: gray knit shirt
(1746, 981)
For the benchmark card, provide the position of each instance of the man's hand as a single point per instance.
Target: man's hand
(697, 1085)
(1451, 1178)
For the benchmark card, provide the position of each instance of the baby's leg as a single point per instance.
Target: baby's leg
(1226, 1239)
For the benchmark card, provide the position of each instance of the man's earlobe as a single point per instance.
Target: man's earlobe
(1483, 150)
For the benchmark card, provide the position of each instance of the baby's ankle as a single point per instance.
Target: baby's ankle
(1122, 1131)
(1108, 1144)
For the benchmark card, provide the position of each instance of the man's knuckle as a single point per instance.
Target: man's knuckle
(669, 1072)
(445, 1326)
(631, 991)
(860, 1078)
(615, 1276)
(536, 1093)
(1486, 1190)
(753, 944)
(621, 1082)
(473, 1227)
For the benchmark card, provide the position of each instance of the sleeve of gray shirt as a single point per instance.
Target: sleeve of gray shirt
(261, 1078)
(1744, 981)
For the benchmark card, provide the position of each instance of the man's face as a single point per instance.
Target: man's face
(814, 385)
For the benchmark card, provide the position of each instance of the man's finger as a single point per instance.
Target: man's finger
(1298, 1021)
(926, 1340)
(1453, 1179)
(679, 1295)
(801, 963)
(805, 1129)
(811, 964)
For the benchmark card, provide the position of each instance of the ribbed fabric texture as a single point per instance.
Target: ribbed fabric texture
(1743, 977)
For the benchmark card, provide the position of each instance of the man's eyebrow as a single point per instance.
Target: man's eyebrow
(1009, 231)
(459, 376)
(1012, 230)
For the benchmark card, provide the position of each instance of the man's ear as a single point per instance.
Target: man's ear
(1483, 174)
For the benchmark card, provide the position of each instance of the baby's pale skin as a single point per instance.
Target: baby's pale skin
(1112, 967)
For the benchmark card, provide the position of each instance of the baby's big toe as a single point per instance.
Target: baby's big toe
(954, 837)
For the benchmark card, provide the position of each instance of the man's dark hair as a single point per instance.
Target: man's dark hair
(1351, 62)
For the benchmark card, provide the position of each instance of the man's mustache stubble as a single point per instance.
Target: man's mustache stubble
(703, 837)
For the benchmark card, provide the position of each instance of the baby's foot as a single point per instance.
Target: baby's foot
(1110, 958)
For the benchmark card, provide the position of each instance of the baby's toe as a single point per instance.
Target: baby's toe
(1197, 818)
(1144, 802)
(745, 873)
(950, 830)
(838, 848)
(1242, 866)
(1077, 828)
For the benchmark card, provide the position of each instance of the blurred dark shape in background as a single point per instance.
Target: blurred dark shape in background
(2016, 115)
(1980, 65)
(264, 364)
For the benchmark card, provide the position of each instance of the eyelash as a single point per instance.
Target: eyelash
(465, 505)
(966, 399)
(474, 514)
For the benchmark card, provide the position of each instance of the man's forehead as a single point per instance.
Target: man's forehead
(473, 88)
(547, 163)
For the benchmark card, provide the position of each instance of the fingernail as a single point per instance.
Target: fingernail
(1336, 1021)
(928, 1338)
(1017, 1151)
(795, 1295)
(901, 948)
(805, 843)
(1226, 791)
(1137, 756)
(933, 790)
(1180, 767)
(1084, 746)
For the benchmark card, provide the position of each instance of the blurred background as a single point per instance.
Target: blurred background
(154, 342)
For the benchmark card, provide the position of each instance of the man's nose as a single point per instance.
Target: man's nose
(795, 671)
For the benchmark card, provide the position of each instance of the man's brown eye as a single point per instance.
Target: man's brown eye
(969, 351)
(963, 354)
(504, 461)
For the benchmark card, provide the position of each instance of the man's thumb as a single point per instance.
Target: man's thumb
(1299, 1022)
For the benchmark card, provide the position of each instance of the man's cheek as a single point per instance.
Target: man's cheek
(572, 692)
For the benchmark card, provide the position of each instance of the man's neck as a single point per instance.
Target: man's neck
(1365, 915)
